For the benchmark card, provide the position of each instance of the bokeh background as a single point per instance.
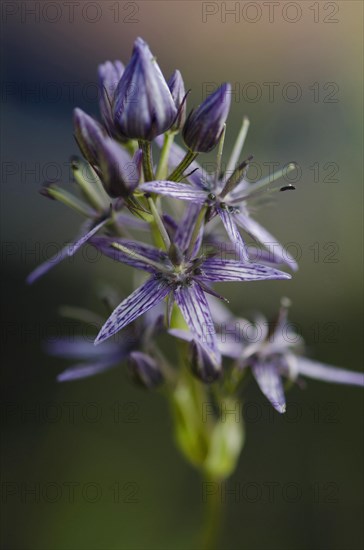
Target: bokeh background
(299, 480)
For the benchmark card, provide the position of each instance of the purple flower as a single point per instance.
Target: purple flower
(204, 126)
(274, 354)
(227, 196)
(91, 360)
(180, 277)
(143, 104)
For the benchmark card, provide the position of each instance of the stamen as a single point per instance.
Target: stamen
(236, 177)
(199, 222)
(256, 188)
(159, 223)
(212, 292)
(190, 173)
(159, 267)
(238, 147)
(281, 318)
(175, 254)
(219, 154)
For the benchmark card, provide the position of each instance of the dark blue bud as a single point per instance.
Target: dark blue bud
(109, 75)
(177, 89)
(87, 133)
(143, 104)
(145, 370)
(204, 125)
(119, 173)
(203, 363)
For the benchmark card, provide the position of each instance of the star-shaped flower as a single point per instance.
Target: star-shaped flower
(274, 351)
(182, 277)
(227, 195)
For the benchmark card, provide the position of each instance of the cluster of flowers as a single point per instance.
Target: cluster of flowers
(122, 192)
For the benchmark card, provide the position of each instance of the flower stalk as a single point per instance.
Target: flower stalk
(162, 169)
(146, 148)
(179, 171)
(125, 207)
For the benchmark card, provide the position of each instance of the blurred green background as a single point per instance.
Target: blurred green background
(299, 482)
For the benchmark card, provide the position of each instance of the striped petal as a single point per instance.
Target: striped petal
(277, 251)
(217, 269)
(233, 232)
(182, 191)
(105, 245)
(67, 251)
(194, 307)
(320, 371)
(186, 226)
(141, 300)
(270, 383)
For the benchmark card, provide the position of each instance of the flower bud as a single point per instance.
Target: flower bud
(117, 170)
(177, 89)
(143, 103)
(109, 74)
(204, 125)
(87, 134)
(145, 370)
(203, 364)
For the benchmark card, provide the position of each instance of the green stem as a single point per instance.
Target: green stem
(213, 516)
(146, 147)
(177, 173)
(162, 169)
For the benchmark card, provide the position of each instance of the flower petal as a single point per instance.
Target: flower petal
(233, 232)
(182, 191)
(277, 251)
(109, 74)
(142, 299)
(68, 250)
(79, 348)
(194, 307)
(217, 269)
(186, 226)
(270, 383)
(143, 104)
(320, 371)
(84, 370)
